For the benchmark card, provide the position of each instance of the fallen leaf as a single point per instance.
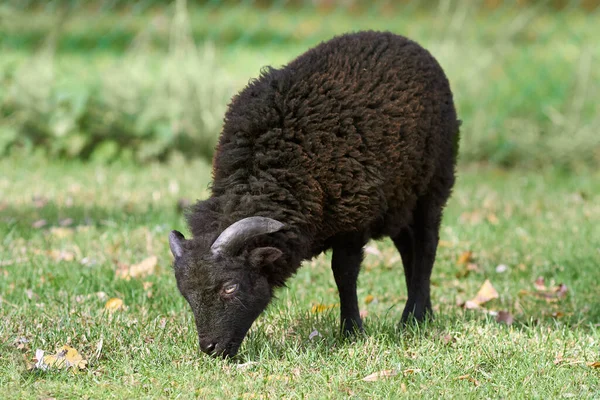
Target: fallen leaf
(319, 308)
(376, 376)
(369, 299)
(550, 294)
(40, 223)
(448, 339)
(595, 364)
(22, 344)
(143, 268)
(485, 294)
(411, 371)
(314, 334)
(114, 304)
(561, 290)
(465, 257)
(539, 284)
(66, 357)
(469, 378)
(504, 317)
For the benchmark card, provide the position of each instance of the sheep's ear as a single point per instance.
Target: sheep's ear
(176, 243)
(262, 256)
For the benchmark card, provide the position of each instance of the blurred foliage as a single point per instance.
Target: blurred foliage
(142, 79)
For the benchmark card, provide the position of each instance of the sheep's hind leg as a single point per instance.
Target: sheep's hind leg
(345, 263)
(425, 232)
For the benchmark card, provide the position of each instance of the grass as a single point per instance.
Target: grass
(523, 77)
(537, 224)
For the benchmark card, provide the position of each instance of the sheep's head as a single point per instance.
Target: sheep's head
(225, 285)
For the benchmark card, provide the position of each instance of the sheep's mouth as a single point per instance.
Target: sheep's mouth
(228, 351)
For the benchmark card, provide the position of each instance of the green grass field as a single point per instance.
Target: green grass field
(99, 89)
(103, 79)
(67, 228)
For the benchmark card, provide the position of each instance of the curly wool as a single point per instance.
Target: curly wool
(344, 139)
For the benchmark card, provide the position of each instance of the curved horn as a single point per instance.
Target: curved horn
(237, 233)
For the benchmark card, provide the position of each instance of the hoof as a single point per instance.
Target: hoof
(416, 313)
(350, 329)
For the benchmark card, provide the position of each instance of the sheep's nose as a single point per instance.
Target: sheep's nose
(207, 345)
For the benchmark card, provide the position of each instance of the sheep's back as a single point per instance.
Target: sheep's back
(347, 133)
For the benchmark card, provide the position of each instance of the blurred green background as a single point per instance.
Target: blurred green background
(146, 79)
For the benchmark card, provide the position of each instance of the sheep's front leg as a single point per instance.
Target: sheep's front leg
(345, 263)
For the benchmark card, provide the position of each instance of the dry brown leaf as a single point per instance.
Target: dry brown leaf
(114, 304)
(144, 268)
(550, 294)
(409, 371)
(485, 294)
(66, 357)
(595, 364)
(465, 258)
(504, 317)
(469, 378)
(376, 376)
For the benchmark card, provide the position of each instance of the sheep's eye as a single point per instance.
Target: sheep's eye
(229, 289)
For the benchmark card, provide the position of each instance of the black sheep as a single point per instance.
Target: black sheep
(355, 139)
